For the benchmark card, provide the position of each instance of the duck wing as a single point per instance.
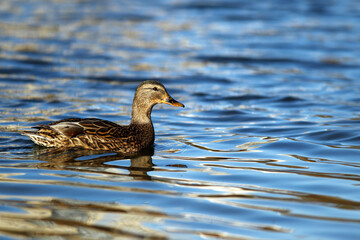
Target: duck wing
(103, 128)
(77, 127)
(74, 127)
(91, 133)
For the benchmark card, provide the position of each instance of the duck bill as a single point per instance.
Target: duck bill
(169, 100)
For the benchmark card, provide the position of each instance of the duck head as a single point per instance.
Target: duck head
(147, 95)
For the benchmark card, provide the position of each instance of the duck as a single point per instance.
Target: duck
(99, 134)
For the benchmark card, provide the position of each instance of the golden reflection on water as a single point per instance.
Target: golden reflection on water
(41, 217)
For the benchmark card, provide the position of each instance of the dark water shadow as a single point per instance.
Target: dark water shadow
(82, 160)
(326, 63)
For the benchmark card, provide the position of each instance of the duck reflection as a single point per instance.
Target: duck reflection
(94, 161)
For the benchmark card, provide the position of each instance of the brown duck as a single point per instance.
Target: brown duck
(98, 134)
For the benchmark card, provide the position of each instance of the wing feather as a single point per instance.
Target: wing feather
(68, 129)
(91, 133)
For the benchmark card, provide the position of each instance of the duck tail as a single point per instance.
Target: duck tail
(39, 139)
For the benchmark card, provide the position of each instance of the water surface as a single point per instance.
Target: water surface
(266, 148)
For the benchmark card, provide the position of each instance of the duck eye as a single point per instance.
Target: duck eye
(155, 88)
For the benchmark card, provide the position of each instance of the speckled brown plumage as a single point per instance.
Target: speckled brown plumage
(98, 134)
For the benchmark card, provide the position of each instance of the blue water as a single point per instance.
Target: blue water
(268, 146)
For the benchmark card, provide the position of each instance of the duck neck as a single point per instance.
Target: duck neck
(141, 113)
(141, 121)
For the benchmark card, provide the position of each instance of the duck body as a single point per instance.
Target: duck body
(95, 134)
(98, 134)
